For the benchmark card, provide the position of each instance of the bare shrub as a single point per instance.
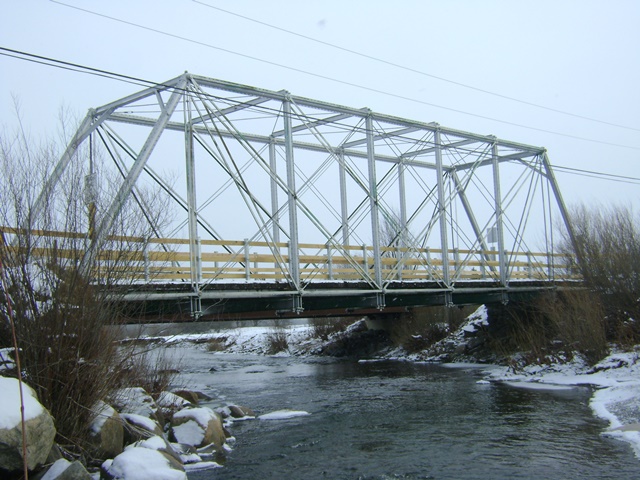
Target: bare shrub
(277, 340)
(219, 344)
(577, 319)
(607, 255)
(61, 313)
(324, 327)
(153, 370)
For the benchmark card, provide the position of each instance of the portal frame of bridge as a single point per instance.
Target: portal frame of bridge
(217, 121)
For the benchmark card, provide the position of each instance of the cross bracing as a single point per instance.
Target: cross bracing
(318, 190)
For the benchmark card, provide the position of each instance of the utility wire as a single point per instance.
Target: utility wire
(51, 62)
(342, 82)
(413, 70)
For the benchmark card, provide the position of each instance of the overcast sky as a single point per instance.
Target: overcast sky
(580, 57)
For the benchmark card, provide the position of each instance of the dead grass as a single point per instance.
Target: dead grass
(277, 340)
(324, 327)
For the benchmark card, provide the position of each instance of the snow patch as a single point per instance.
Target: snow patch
(142, 464)
(10, 403)
(283, 414)
(189, 432)
(56, 469)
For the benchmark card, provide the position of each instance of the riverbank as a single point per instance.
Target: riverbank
(615, 380)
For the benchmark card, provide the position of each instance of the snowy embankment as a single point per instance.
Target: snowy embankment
(616, 379)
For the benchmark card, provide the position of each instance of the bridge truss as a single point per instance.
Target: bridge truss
(318, 190)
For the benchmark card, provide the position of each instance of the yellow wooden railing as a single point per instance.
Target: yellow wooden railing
(169, 260)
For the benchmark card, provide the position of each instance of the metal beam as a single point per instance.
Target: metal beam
(125, 189)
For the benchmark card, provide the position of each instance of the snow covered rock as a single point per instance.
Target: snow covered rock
(139, 427)
(139, 463)
(238, 411)
(39, 428)
(170, 403)
(65, 470)
(136, 400)
(198, 427)
(159, 443)
(106, 432)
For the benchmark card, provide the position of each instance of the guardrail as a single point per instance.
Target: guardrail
(172, 260)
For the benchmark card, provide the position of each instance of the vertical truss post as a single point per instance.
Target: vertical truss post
(442, 209)
(502, 260)
(294, 262)
(273, 166)
(373, 202)
(192, 206)
(344, 208)
(402, 240)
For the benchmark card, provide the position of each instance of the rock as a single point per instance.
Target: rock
(106, 434)
(138, 427)
(141, 463)
(191, 396)
(64, 470)
(198, 427)
(170, 403)
(159, 443)
(137, 401)
(238, 411)
(39, 428)
(188, 453)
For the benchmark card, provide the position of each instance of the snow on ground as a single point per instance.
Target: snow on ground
(253, 340)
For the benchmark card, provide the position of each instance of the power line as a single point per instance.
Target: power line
(413, 70)
(600, 175)
(51, 62)
(343, 82)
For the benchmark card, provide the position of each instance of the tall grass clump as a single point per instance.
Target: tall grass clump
(606, 252)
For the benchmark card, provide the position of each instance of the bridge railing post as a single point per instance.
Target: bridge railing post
(429, 266)
(145, 258)
(365, 261)
(198, 245)
(329, 262)
(456, 261)
(247, 265)
(483, 265)
(529, 265)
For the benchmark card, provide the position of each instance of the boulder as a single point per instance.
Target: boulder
(170, 403)
(139, 463)
(159, 443)
(238, 411)
(198, 427)
(136, 400)
(64, 470)
(106, 435)
(138, 427)
(39, 427)
(188, 395)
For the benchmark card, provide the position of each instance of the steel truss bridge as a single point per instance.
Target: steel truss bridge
(289, 204)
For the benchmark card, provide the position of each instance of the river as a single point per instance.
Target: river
(400, 420)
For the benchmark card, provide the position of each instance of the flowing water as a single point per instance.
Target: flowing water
(383, 420)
